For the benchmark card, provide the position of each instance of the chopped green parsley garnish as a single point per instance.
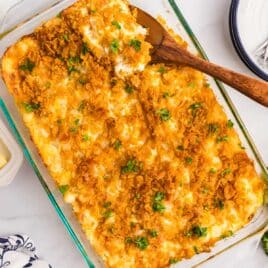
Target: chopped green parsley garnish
(230, 124)
(129, 89)
(128, 240)
(28, 65)
(213, 128)
(85, 137)
(153, 233)
(188, 160)
(77, 122)
(161, 70)
(117, 145)
(108, 214)
(207, 85)
(222, 139)
(195, 107)
(107, 204)
(136, 44)
(227, 234)
(64, 188)
(131, 166)
(213, 171)
(226, 171)
(115, 46)
(196, 250)
(165, 95)
(71, 69)
(157, 205)
(81, 106)
(199, 231)
(191, 84)
(164, 114)
(141, 242)
(66, 37)
(173, 260)
(116, 24)
(85, 49)
(159, 196)
(219, 204)
(31, 107)
(73, 60)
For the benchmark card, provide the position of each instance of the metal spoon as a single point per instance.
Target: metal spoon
(165, 49)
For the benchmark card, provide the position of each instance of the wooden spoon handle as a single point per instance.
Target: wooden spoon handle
(253, 88)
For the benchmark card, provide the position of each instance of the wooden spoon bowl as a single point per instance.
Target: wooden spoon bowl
(166, 50)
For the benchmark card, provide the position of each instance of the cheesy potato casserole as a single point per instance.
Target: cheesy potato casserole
(150, 163)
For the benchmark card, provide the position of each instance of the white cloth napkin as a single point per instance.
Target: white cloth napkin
(18, 251)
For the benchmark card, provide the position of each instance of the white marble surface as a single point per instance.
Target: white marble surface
(25, 208)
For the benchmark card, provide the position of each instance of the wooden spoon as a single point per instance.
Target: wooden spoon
(165, 49)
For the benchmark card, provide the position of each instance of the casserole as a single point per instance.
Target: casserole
(51, 186)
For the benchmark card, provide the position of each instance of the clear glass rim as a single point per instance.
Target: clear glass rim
(232, 108)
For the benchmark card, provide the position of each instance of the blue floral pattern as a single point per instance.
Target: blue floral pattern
(18, 251)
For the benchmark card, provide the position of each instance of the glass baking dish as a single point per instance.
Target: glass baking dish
(171, 13)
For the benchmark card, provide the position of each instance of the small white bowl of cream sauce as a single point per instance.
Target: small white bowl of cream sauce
(249, 31)
(10, 156)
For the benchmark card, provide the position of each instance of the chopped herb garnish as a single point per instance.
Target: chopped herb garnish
(141, 242)
(136, 44)
(195, 107)
(116, 24)
(107, 204)
(159, 196)
(196, 250)
(161, 70)
(85, 49)
(213, 128)
(199, 231)
(158, 207)
(59, 15)
(113, 82)
(73, 129)
(173, 260)
(230, 124)
(115, 46)
(82, 81)
(129, 89)
(73, 60)
(81, 106)
(31, 107)
(64, 188)
(222, 139)
(191, 84)
(227, 234)
(128, 240)
(77, 122)
(71, 69)
(180, 148)
(207, 85)
(66, 37)
(213, 171)
(117, 145)
(85, 137)
(164, 114)
(137, 196)
(28, 65)
(153, 233)
(108, 214)
(188, 160)
(219, 204)
(226, 171)
(165, 95)
(131, 166)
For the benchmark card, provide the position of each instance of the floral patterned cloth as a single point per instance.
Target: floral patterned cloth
(18, 251)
